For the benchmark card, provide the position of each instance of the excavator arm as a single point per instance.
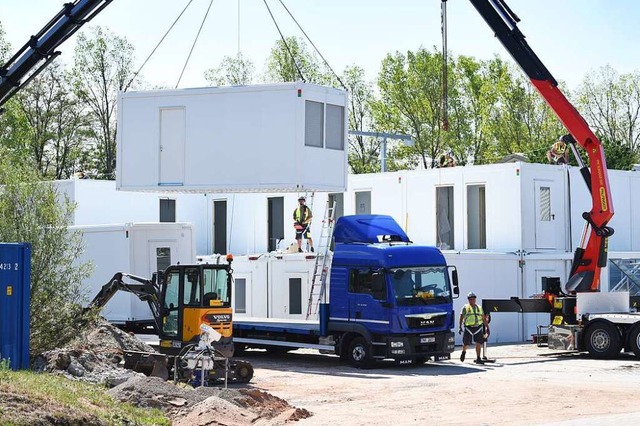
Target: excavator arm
(27, 63)
(146, 290)
(591, 256)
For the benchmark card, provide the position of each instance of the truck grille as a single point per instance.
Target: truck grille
(417, 322)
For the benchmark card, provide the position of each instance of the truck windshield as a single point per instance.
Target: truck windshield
(421, 285)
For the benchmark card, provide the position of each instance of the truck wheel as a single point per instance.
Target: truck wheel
(359, 353)
(634, 340)
(602, 340)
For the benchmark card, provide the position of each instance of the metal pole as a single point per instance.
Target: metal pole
(383, 155)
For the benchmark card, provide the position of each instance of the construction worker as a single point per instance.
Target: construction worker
(302, 221)
(476, 327)
(558, 154)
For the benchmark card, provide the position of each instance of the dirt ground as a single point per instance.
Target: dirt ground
(527, 385)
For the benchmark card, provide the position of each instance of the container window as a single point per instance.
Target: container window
(167, 210)
(295, 296)
(444, 217)
(545, 204)
(240, 293)
(335, 127)
(163, 258)
(476, 217)
(313, 124)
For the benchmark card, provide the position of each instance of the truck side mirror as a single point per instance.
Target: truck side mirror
(454, 279)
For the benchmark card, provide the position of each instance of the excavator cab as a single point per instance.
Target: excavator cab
(191, 295)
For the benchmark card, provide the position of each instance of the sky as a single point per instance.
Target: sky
(572, 37)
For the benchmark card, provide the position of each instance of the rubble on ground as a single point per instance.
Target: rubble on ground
(206, 405)
(94, 356)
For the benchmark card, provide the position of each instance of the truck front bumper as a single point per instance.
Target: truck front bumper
(420, 345)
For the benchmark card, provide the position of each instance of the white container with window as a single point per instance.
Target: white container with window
(287, 137)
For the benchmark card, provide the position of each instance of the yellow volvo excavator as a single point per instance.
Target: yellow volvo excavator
(187, 301)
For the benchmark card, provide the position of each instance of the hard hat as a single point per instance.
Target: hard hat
(470, 295)
(302, 198)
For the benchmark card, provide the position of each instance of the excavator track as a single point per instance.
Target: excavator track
(164, 366)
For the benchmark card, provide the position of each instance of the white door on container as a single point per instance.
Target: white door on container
(295, 300)
(545, 220)
(172, 146)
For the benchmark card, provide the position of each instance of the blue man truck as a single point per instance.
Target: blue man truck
(385, 298)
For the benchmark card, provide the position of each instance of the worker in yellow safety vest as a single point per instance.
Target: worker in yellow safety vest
(302, 221)
(476, 327)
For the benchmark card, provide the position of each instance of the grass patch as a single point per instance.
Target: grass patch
(28, 398)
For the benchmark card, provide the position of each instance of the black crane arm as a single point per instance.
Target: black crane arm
(147, 291)
(28, 61)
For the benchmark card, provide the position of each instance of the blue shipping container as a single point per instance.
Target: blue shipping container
(15, 294)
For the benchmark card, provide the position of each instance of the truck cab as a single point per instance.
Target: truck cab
(389, 298)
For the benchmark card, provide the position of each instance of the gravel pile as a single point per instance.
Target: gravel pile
(94, 356)
(205, 406)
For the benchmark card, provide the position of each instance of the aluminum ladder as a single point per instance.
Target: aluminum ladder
(321, 267)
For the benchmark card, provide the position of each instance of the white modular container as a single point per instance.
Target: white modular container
(260, 138)
(139, 249)
(271, 285)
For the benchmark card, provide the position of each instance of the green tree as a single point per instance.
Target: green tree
(33, 211)
(281, 66)
(363, 150)
(410, 103)
(103, 65)
(232, 71)
(5, 47)
(54, 123)
(522, 122)
(477, 85)
(611, 104)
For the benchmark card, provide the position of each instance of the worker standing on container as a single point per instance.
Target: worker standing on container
(302, 223)
(475, 325)
(558, 153)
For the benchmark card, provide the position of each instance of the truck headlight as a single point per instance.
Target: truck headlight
(397, 344)
(451, 339)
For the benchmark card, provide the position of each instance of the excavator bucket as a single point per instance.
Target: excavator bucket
(151, 364)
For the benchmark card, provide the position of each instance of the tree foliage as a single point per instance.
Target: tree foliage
(363, 150)
(283, 64)
(611, 104)
(103, 65)
(33, 211)
(410, 103)
(53, 123)
(232, 71)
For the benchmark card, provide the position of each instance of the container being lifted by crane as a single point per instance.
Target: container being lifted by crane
(582, 318)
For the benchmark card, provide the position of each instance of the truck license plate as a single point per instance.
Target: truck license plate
(427, 339)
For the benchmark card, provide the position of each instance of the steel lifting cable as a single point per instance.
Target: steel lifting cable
(157, 45)
(312, 44)
(286, 45)
(194, 43)
(445, 70)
